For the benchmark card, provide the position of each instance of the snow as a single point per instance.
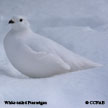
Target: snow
(81, 26)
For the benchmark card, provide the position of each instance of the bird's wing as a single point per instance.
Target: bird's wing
(75, 61)
(45, 56)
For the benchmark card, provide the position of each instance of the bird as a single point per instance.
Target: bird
(37, 56)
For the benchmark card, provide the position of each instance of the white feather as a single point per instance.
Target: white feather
(37, 56)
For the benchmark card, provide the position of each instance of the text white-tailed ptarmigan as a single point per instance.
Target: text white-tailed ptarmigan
(38, 56)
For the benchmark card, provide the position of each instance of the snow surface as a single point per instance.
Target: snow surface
(80, 25)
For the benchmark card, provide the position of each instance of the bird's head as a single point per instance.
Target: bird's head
(19, 23)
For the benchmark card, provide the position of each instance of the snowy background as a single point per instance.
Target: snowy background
(81, 26)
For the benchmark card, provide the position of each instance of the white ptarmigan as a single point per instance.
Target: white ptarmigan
(37, 56)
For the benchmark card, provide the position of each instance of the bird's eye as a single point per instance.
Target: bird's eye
(21, 20)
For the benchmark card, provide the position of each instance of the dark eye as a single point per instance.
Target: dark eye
(21, 20)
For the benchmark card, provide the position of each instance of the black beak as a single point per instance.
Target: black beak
(11, 22)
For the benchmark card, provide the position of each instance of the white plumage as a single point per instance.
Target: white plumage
(37, 56)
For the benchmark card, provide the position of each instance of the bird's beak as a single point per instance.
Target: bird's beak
(11, 21)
